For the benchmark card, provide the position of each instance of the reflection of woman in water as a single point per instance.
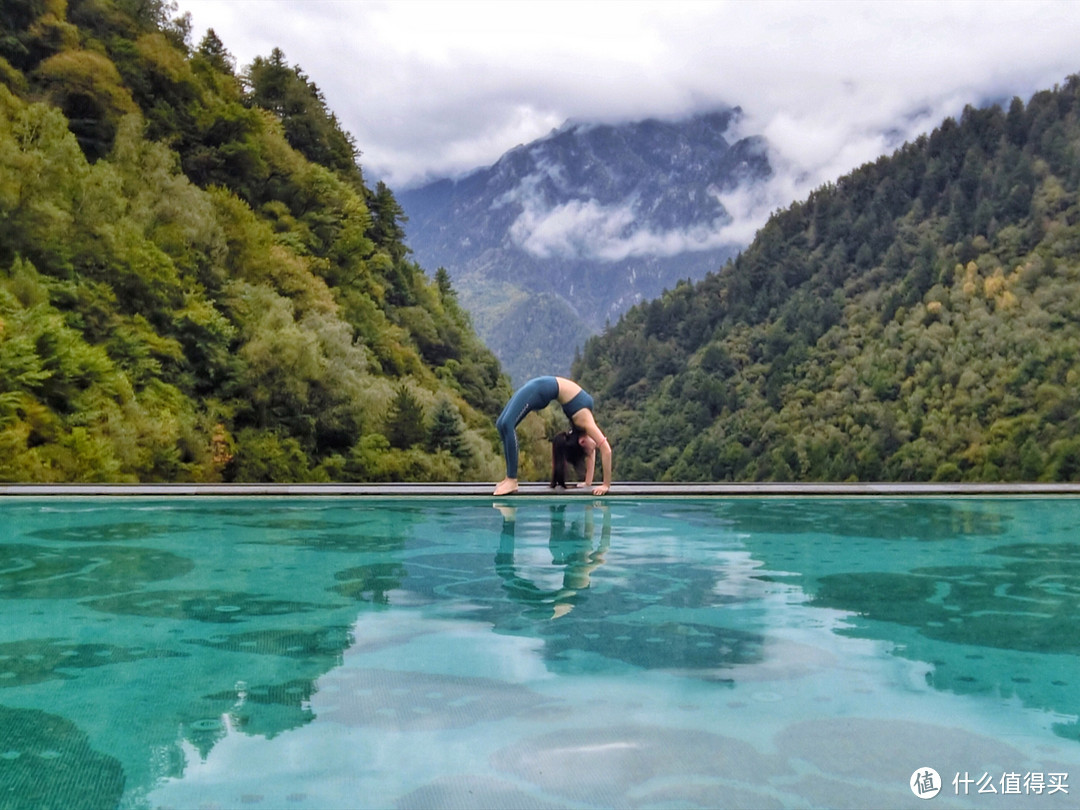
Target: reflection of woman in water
(537, 394)
(571, 549)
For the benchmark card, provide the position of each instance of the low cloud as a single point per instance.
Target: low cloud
(588, 229)
(576, 229)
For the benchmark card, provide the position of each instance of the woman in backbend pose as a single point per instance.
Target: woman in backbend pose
(535, 395)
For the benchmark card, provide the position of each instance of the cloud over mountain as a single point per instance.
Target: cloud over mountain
(579, 225)
(588, 229)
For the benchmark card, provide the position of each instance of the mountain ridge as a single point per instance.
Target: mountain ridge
(915, 320)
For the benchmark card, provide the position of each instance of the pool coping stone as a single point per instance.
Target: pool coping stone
(484, 490)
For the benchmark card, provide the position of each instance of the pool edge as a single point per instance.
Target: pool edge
(483, 490)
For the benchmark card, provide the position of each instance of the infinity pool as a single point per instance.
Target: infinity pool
(539, 653)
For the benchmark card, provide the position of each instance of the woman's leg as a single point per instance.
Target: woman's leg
(507, 428)
(532, 396)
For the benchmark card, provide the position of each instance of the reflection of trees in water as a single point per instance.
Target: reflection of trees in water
(1029, 602)
(1024, 600)
(877, 518)
(34, 660)
(48, 762)
(258, 709)
(370, 583)
(265, 708)
(613, 622)
(37, 572)
(216, 607)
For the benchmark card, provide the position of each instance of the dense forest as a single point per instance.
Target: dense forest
(917, 320)
(197, 283)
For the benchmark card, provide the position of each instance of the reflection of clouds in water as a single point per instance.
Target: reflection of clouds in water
(737, 575)
(526, 740)
(373, 725)
(693, 649)
(413, 701)
(850, 746)
(778, 659)
(469, 791)
(453, 647)
(610, 766)
(834, 762)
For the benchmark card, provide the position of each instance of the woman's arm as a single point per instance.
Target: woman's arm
(590, 468)
(585, 420)
(605, 459)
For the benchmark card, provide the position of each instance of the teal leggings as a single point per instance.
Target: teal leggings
(535, 395)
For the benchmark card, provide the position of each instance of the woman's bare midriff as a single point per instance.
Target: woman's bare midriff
(568, 389)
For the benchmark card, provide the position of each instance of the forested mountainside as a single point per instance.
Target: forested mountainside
(564, 234)
(917, 320)
(197, 284)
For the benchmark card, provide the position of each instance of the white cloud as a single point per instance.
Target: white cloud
(574, 229)
(437, 88)
(589, 229)
(749, 208)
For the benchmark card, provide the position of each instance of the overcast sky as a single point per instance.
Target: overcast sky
(439, 88)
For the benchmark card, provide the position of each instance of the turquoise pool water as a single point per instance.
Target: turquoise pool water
(352, 653)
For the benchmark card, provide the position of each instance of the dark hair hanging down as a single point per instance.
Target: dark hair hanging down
(566, 449)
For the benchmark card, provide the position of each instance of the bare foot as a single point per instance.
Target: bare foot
(506, 486)
(561, 610)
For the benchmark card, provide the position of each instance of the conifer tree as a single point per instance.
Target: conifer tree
(447, 431)
(405, 421)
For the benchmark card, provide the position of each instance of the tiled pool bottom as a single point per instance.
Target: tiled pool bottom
(350, 653)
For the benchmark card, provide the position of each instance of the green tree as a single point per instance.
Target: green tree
(447, 431)
(214, 51)
(189, 287)
(309, 126)
(405, 420)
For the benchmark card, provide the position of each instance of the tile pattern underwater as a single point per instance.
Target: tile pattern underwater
(414, 653)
